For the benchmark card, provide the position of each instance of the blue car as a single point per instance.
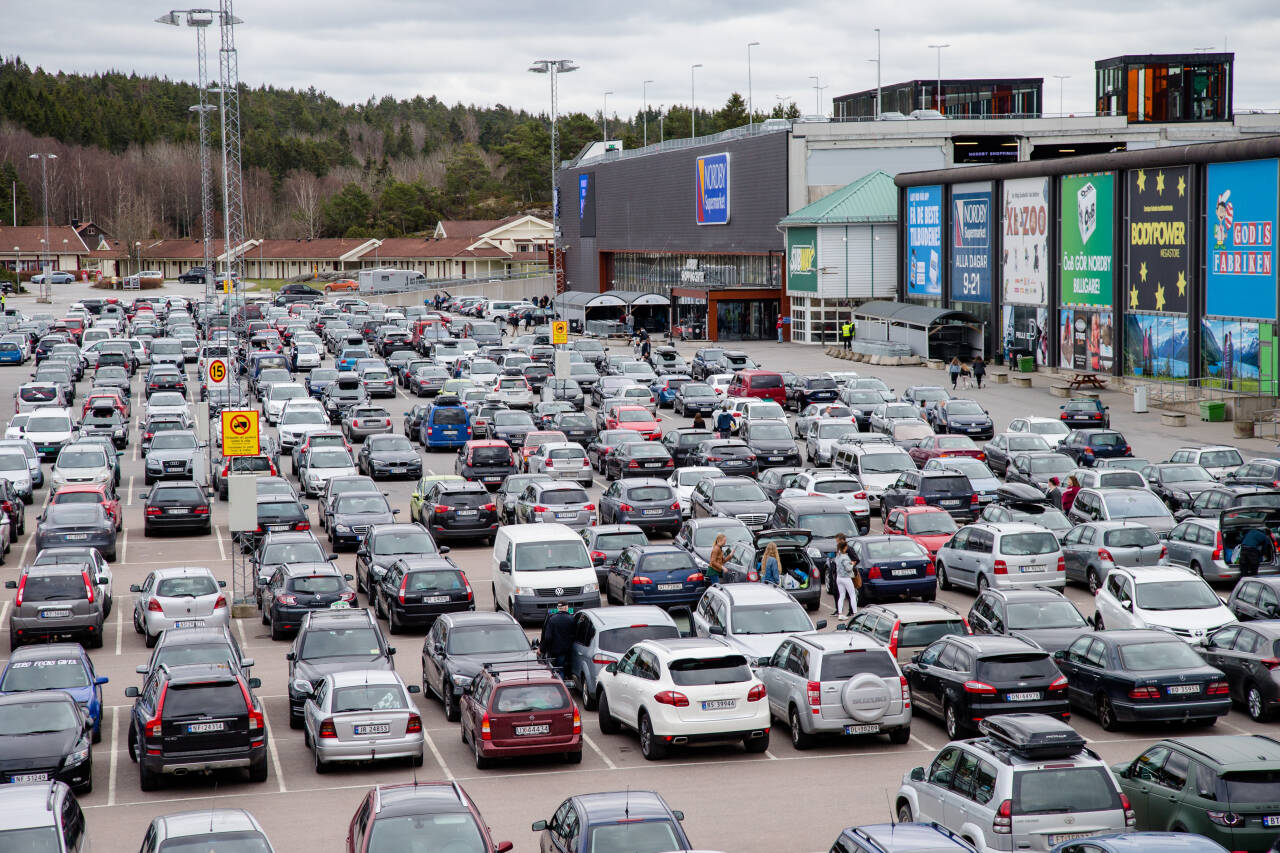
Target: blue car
(10, 353)
(617, 820)
(663, 575)
(446, 424)
(664, 388)
(893, 567)
(1142, 842)
(348, 357)
(57, 666)
(901, 838)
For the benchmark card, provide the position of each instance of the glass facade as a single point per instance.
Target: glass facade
(658, 272)
(746, 319)
(817, 321)
(960, 98)
(1192, 87)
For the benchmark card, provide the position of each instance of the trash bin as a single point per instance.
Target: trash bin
(1027, 363)
(1140, 398)
(1213, 410)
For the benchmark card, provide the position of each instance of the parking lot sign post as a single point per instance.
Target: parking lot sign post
(559, 332)
(240, 435)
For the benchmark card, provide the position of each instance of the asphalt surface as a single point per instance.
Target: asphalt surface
(781, 800)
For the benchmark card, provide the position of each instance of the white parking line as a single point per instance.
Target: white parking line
(129, 491)
(923, 744)
(217, 533)
(4, 613)
(271, 750)
(26, 550)
(124, 546)
(440, 758)
(115, 737)
(116, 603)
(598, 751)
(240, 628)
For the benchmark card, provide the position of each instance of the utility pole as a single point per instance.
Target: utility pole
(879, 103)
(45, 289)
(1061, 77)
(938, 48)
(750, 100)
(693, 101)
(604, 119)
(644, 96)
(553, 68)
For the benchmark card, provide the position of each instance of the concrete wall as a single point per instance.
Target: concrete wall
(524, 288)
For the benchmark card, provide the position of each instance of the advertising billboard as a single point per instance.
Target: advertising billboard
(802, 260)
(1157, 346)
(1240, 278)
(1024, 261)
(924, 241)
(712, 189)
(971, 242)
(1159, 224)
(587, 204)
(1086, 340)
(1087, 239)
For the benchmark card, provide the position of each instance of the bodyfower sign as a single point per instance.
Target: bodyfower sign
(713, 189)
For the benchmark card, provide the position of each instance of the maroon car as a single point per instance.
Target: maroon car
(942, 446)
(518, 709)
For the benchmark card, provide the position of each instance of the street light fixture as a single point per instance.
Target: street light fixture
(644, 89)
(879, 105)
(45, 291)
(693, 101)
(1061, 77)
(553, 68)
(817, 94)
(604, 120)
(938, 48)
(750, 99)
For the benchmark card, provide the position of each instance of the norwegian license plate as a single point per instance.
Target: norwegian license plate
(1271, 820)
(493, 479)
(189, 623)
(54, 614)
(399, 469)
(436, 599)
(77, 536)
(1068, 836)
(566, 515)
(534, 730)
(653, 512)
(653, 464)
(775, 458)
(1182, 689)
(1028, 696)
(1032, 569)
(275, 527)
(374, 729)
(29, 777)
(950, 502)
(904, 573)
(177, 510)
(201, 728)
(467, 512)
(670, 586)
(719, 704)
(862, 730)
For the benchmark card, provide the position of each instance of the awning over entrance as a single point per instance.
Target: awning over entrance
(930, 332)
(638, 297)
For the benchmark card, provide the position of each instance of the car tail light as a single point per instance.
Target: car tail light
(598, 556)
(327, 729)
(1217, 688)
(715, 458)
(893, 639)
(906, 692)
(585, 462)
(673, 698)
(414, 725)
(22, 585)
(979, 687)
(602, 660)
(88, 587)
(301, 525)
(756, 693)
(201, 510)
(540, 509)
(626, 507)
(1002, 823)
(919, 501)
(640, 580)
(696, 577)
(1063, 416)
(1217, 546)
(154, 606)
(859, 496)
(153, 510)
(1270, 663)
(973, 499)
(1144, 693)
(1001, 567)
(873, 573)
(1104, 554)
(441, 508)
(590, 507)
(1062, 564)
(1059, 683)
(1164, 552)
(287, 598)
(221, 603)
(152, 728)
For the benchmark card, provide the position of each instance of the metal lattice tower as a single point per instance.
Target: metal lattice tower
(202, 110)
(232, 175)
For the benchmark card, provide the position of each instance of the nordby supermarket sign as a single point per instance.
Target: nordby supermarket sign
(712, 189)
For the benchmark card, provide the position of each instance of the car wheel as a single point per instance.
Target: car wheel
(322, 766)
(258, 770)
(652, 747)
(452, 712)
(1197, 568)
(151, 639)
(982, 584)
(482, 763)
(1256, 704)
(904, 812)
(147, 779)
(756, 745)
(588, 698)
(1092, 580)
(393, 626)
(898, 737)
(1097, 622)
(800, 739)
(944, 582)
(608, 725)
(1105, 713)
(951, 722)
(277, 633)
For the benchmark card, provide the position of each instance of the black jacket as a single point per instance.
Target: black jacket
(557, 635)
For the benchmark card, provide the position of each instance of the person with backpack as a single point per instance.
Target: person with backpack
(724, 423)
(979, 370)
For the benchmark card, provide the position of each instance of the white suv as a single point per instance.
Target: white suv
(1051, 430)
(1219, 459)
(1168, 597)
(678, 691)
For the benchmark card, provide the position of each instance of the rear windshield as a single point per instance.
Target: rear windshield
(946, 485)
(214, 700)
(618, 541)
(699, 672)
(1027, 544)
(59, 587)
(528, 698)
(1107, 439)
(563, 497)
(179, 654)
(1064, 790)
(281, 511)
(618, 640)
(672, 561)
(836, 430)
(182, 587)
(925, 633)
(1130, 537)
(1159, 656)
(52, 674)
(1122, 479)
(839, 666)
(1054, 463)
(1003, 669)
(651, 493)
(490, 456)
(930, 523)
(896, 548)
(1259, 786)
(766, 380)
(487, 639)
(1220, 458)
(825, 525)
(424, 581)
(372, 697)
(885, 463)
(340, 642)
(1134, 504)
(318, 584)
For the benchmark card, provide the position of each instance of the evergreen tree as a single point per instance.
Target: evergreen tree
(349, 209)
(732, 114)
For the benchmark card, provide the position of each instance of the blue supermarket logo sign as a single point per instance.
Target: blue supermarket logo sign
(712, 189)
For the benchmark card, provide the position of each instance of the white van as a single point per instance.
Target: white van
(495, 310)
(537, 565)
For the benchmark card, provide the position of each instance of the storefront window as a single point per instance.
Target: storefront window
(659, 272)
(746, 320)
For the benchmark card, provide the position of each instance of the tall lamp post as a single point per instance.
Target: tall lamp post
(693, 101)
(879, 105)
(750, 100)
(1061, 77)
(817, 94)
(604, 119)
(644, 97)
(553, 68)
(45, 290)
(938, 48)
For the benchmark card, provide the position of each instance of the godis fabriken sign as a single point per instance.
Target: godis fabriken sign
(1159, 226)
(1087, 232)
(971, 242)
(1240, 276)
(712, 189)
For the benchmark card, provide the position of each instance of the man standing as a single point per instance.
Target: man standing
(1251, 548)
(846, 332)
(779, 328)
(724, 423)
(557, 636)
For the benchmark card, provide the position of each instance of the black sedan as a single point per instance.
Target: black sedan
(695, 397)
(45, 736)
(575, 426)
(389, 455)
(638, 459)
(296, 589)
(1084, 413)
(351, 514)
(962, 417)
(1177, 483)
(413, 418)
(1247, 654)
(414, 591)
(77, 524)
(165, 377)
(1043, 617)
(177, 506)
(1142, 676)
(730, 455)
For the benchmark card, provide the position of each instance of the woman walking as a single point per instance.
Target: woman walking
(847, 580)
(979, 370)
(716, 570)
(954, 370)
(771, 565)
(1069, 492)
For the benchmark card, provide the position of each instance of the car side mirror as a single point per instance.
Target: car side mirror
(1060, 655)
(915, 658)
(141, 669)
(764, 661)
(716, 630)
(611, 668)
(246, 663)
(466, 688)
(290, 656)
(917, 774)
(504, 566)
(131, 692)
(1127, 605)
(222, 584)
(391, 650)
(301, 685)
(132, 587)
(255, 683)
(820, 624)
(438, 649)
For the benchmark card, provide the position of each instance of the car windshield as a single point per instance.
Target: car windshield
(293, 552)
(1193, 594)
(1064, 790)
(925, 523)
(171, 441)
(777, 431)
(340, 642)
(1049, 428)
(783, 617)
(705, 536)
(1220, 458)
(507, 417)
(687, 477)
(1185, 474)
(82, 458)
(1134, 503)
(552, 556)
(895, 548)
(29, 718)
(964, 407)
(834, 430)
(369, 697)
(706, 672)
(1131, 537)
(885, 463)
(51, 674)
(1052, 463)
(329, 458)
(1028, 544)
(696, 389)
(303, 416)
(1159, 656)
(738, 492)
(1028, 615)
(1027, 442)
(486, 639)
(351, 504)
(411, 541)
(186, 587)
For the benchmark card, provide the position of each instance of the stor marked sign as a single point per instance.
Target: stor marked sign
(240, 432)
(559, 332)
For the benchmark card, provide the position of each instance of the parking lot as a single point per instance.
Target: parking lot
(781, 800)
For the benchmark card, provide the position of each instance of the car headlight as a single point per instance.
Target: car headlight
(461, 680)
(524, 590)
(78, 757)
(814, 552)
(341, 528)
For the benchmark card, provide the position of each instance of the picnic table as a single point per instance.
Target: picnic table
(1081, 379)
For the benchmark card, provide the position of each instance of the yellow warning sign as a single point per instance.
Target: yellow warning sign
(559, 332)
(240, 432)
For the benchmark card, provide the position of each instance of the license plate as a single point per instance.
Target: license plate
(1032, 569)
(54, 614)
(189, 623)
(904, 573)
(177, 510)
(775, 458)
(399, 469)
(29, 777)
(493, 479)
(719, 704)
(1030, 696)
(1271, 820)
(861, 730)
(534, 730)
(275, 527)
(670, 586)
(78, 536)
(950, 502)
(200, 728)
(467, 512)
(1068, 836)
(374, 729)
(566, 515)
(653, 512)
(653, 464)
(1182, 689)
(436, 599)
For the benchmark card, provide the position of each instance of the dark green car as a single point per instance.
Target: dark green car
(1225, 787)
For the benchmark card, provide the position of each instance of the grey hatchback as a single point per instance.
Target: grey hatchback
(55, 602)
(646, 502)
(1090, 551)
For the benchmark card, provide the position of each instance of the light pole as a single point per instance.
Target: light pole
(644, 96)
(45, 290)
(662, 130)
(604, 119)
(879, 105)
(938, 48)
(693, 101)
(1061, 77)
(553, 68)
(817, 94)
(750, 100)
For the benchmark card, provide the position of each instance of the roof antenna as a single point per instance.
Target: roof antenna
(893, 818)
(626, 811)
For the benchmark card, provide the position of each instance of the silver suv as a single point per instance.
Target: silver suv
(1030, 784)
(819, 688)
(1007, 555)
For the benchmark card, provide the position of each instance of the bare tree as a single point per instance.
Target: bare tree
(303, 189)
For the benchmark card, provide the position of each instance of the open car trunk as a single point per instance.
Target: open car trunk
(1236, 522)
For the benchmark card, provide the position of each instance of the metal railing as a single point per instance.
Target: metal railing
(454, 283)
(744, 132)
(1204, 389)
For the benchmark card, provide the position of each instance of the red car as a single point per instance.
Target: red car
(91, 493)
(929, 526)
(106, 398)
(519, 709)
(437, 815)
(765, 384)
(637, 419)
(942, 446)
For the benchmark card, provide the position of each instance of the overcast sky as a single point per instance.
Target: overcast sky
(478, 51)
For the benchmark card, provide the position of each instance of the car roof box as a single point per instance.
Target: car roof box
(1020, 493)
(1034, 736)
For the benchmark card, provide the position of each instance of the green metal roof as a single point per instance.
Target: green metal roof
(871, 198)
